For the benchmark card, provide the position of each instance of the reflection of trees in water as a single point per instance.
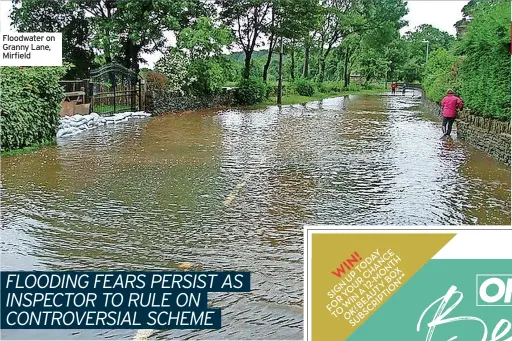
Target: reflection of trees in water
(139, 198)
(130, 220)
(291, 189)
(151, 194)
(31, 171)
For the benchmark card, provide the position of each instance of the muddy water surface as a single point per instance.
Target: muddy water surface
(231, 190)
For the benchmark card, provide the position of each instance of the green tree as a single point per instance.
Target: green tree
(57, 16)
(468, 11)
(204, 42)
(140, 24)
(416, 49)
(248, 19)
(347, 17)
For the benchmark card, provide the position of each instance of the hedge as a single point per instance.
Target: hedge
(484, 73)
(440, 75)
(478, 67)
(30, 100)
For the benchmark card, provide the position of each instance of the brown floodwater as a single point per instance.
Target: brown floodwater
(231, 190)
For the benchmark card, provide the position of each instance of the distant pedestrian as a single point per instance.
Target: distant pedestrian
(393, 87)
(403, 90)
(450, 103)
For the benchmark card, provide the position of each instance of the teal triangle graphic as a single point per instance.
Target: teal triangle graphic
(397, 319)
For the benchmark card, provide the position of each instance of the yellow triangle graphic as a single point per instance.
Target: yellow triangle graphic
(352, 275)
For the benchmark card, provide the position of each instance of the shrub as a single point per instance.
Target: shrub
(30, 106)
(321, 87)
(208, 75)
(304, 87)
(174, 65)
(156, 81)
(251, 91)
(354, 87)
(334, 86)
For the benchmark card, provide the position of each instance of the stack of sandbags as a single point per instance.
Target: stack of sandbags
(72, 125)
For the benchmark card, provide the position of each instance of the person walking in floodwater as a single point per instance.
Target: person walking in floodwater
(450, 103)
(393, 88)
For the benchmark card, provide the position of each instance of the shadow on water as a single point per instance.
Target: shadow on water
(231, 190)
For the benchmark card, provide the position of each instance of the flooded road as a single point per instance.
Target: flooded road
(231, 190)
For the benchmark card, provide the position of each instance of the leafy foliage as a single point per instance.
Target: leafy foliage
(251, 91)
(120, 30)
(248, 19)
(484, 74)
(174, 65)
(59, 16)
(156, 81)
(204, 38)
(203, 43)
(304, 87)
(31, 115)
(478, 67)
(439, 75)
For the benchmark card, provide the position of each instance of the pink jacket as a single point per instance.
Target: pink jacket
(450, 104)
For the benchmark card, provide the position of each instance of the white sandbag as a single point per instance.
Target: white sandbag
(72, 125)
(67, 132)
(75, 124)
(88, 118)
(63, 131)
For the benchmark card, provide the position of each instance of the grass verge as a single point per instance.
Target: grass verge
(298, 99)
(28, 149)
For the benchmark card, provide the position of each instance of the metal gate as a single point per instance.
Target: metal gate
(113, 88)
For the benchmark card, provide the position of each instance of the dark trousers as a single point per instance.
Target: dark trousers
(393, 90)
(447, 125)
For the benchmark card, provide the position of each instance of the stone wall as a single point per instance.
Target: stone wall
(162, 102)
(431, 106)
(487, 134)
(484, 133)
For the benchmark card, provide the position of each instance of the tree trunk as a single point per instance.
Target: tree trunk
(269, 59)
(134, 50)
(127, 58)
(280, 82)
(247, 64)
(321, 64)
(270, 48)
(321, 68)
(346, 72)
(135, 58)
(292, 66)
(306, 60)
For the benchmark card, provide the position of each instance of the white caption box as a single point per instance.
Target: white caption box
(31, 49)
